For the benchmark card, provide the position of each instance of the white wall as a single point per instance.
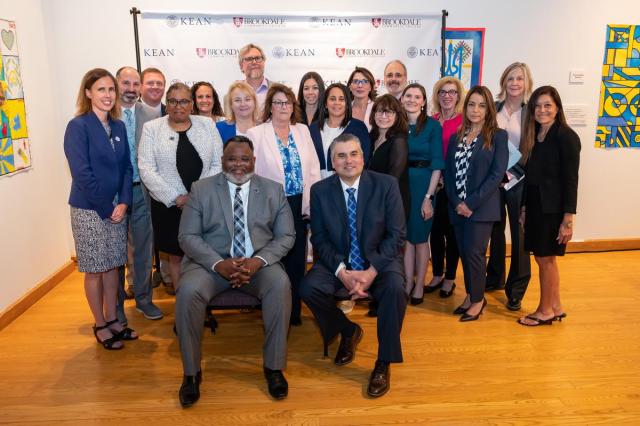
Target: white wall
(551, 36)
(34, 217)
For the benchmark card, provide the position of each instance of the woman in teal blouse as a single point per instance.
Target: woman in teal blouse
(425, 162)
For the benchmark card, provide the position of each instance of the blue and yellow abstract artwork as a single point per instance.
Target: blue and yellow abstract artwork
(619, 108)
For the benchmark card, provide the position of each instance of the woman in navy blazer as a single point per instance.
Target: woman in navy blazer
(334, 120)
(96, 147)
(476, 162)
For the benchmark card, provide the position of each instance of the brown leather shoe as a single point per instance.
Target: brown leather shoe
(379, 380)
(347, 349)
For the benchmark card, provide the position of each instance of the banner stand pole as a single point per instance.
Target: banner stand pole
(442, 37)
(135, 12)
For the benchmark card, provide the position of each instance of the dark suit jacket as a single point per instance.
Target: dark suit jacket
(556, 171)
(484, 175)
(380, 222)
(355, 127)
(206, 226)
(98, 172)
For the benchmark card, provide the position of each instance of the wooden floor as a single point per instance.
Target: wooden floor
(585, 370)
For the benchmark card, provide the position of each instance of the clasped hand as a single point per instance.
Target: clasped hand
(357, 282)
(239, 270)
(463, 210)
(119, 213)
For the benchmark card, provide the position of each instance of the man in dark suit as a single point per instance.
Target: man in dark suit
(357, 231)
(234, 230)
(134, 115)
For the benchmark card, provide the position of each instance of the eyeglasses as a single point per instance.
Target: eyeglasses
(172, 102)
(281, 104)
(359, 82)
(443, 93)
(255, 59)
(385, 112)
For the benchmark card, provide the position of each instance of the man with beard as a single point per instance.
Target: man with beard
(252, 60)
(235, 228)
(395, 78)
(134, 115)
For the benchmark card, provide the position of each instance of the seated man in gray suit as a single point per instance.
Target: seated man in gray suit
(234, 230)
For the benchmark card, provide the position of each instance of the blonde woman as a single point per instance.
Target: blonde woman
(446, 101)
(242, 111)
(515, 89)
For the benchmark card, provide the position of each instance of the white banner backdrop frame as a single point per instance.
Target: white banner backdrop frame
(200, 46)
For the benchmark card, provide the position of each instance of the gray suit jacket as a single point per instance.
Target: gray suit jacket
(206, 227)
(143, 114)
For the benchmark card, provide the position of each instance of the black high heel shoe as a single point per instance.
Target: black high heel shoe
(444, 293)
(559, 317)
(460, 310)
(124, 334)
(107, 343)
(431, 288)
(416, 300)
(466, 317)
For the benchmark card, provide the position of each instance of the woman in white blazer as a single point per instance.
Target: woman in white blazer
(175, 151)
(285, 153)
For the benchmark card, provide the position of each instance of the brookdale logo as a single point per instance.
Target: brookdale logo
(253, 22)
(379, 22)
(207, 52)
(342, 52)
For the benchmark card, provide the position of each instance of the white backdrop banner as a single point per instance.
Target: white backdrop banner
(192, 47)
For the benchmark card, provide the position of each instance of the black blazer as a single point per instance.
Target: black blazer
(391, 158)
(484, 175)
(553, 167)
(380, 222)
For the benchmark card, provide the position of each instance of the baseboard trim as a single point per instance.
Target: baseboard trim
(588, 246)
(38, 292)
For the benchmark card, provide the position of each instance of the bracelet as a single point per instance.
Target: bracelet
(428, 196)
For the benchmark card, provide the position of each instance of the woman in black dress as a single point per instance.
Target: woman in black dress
(175, 151)
(551, 150)
(389, 136)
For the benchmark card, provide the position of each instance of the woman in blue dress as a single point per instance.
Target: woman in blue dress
(425, 163)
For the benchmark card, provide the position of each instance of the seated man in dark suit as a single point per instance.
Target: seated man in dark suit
(357, 230)
(234, 230)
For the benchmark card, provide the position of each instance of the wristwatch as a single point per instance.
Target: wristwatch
(568, 225)
(429, 196)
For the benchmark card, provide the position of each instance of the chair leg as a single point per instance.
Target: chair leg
(326, 350)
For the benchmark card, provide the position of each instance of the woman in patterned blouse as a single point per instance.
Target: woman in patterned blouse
(285, 153)
(474, 168)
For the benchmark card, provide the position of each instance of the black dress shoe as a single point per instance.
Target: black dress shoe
(379, 380)
(466, 317)
(295, 321)
(190, 390)
(347, 349)
(444, 293)
(277, 384)
(416, 300)
(432, 288)
(514, 304)
(373, 309)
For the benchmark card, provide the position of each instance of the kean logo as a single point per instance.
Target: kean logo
(172, 21)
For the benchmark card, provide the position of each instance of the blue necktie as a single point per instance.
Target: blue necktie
(355, 258)
(238, 225)
(131, 131)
